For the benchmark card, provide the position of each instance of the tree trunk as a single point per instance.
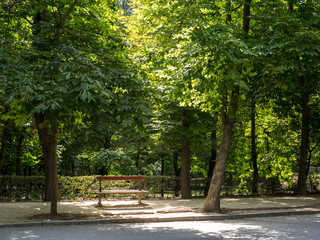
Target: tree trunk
(185, 170)
(162, 174)
(6, 142)
(48, 137)
(255, 181)
(310, 150)
(290, 6)
(137, 160)
(246, 16)
(302, 177)
(212, 203)
(19, 152)
(185, 164)
(177, 172)
(213, 159)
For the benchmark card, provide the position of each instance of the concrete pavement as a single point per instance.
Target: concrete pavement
(36, 213)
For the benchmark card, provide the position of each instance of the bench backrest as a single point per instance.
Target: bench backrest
(120, 178)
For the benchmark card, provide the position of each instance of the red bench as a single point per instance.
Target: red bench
(139, 191)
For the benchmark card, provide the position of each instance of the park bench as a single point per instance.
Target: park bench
(138, 191)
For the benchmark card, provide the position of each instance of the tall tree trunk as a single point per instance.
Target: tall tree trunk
(162, 165)
(177, 172)
(104, 171)
(6, 142)
(255, 181)
(246, 16)
(213, 158)
(304, 144)
(185, 163)
(212, 203)
(303, 160)
(48, 132)
(162, 174)
(310, 150)
(290, 6)
(19, 152)
(137, 160)
(185, 170)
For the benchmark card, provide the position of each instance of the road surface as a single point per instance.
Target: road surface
(271, 228)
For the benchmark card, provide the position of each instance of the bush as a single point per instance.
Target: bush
(77, 187)
(314, 183)
(271, 185)
(17, 187)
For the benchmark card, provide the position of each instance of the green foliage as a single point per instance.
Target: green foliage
(271, 185)
(116, 162)
(122, 84)
(21, 187)
(77, 187)
(74, 188)
(314, 182)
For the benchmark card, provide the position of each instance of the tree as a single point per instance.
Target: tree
(71, 53)
(294, 45)
(202, 56)
(213, 199)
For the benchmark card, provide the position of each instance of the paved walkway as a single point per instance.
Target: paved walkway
(153, 210)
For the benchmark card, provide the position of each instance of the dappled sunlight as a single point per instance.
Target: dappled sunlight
(30, 235)
(206, 230)
(16, 212)
(186, 230)
(276, 228)
(266, 228)
(270, 202)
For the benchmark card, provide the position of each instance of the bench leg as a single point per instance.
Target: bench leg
(99, 200)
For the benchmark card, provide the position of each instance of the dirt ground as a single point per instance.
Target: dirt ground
(35, 211)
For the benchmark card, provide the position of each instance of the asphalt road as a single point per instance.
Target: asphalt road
(286, 227)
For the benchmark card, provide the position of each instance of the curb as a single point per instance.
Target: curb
(163, 219)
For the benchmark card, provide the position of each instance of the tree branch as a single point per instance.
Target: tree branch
(68, 13)
(10, 6)
(25, 18)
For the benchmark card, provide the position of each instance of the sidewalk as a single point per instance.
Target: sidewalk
(153, 210)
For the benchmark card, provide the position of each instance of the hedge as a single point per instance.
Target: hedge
(16, 187)
(19, 188)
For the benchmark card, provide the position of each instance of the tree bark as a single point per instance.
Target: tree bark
(6, 142)
(177, 172)
(304, 144)
(19, 152)
(246, 16)
(185, 170)
(255, 179)
(213, 159)
(185, 163)
(137, 160)
(162, 174)
(212, 203)
(48, 131)
(290, 6)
